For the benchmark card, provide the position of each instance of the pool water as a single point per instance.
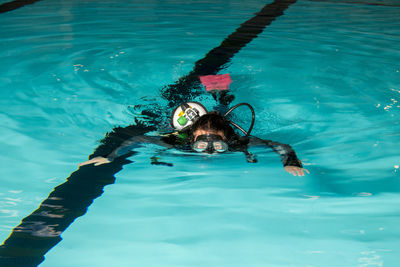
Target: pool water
(324, 78)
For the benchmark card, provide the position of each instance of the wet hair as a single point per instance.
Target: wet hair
(213, 121)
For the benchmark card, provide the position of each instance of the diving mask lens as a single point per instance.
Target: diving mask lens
(200, 146)
(220, 146)
(209, 143)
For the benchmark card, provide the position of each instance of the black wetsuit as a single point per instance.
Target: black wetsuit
(175, 141)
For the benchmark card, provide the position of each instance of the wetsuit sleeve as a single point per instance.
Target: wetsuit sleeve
(286, 152)
(135, 142)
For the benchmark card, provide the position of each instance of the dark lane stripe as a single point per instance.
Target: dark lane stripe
(10, 6)
(249, 30)
(42, 229)
(184, 89)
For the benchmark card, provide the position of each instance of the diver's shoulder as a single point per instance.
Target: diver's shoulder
(254, 141)
(175, 138)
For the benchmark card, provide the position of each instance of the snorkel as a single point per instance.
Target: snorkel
(253, 116)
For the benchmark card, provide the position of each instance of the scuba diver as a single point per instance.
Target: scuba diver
(197, 130)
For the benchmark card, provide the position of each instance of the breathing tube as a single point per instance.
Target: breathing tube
(237, 126)
(186, 114)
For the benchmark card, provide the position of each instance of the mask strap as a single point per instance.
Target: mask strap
(252, 118)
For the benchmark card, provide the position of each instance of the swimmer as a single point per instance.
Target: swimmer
(200, 131)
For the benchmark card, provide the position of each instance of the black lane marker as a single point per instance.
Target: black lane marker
(356, 3)
(185, 88)
(41, 230)
(10, 6)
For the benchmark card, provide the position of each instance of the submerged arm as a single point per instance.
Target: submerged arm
(288, 157)
(125, 148)
(135, 142)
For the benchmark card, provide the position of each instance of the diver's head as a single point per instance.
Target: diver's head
(210, 133)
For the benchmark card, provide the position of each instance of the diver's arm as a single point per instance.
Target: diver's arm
(125, 148)
(286, 152)
(288, 157)
(135, 142)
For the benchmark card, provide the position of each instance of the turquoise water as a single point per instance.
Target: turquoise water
(324, 78)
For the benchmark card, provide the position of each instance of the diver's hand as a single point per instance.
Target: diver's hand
(97, 161)
(296, 171)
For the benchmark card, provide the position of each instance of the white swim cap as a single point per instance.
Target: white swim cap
(186, 114)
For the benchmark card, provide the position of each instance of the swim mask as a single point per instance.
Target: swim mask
(209, 143)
